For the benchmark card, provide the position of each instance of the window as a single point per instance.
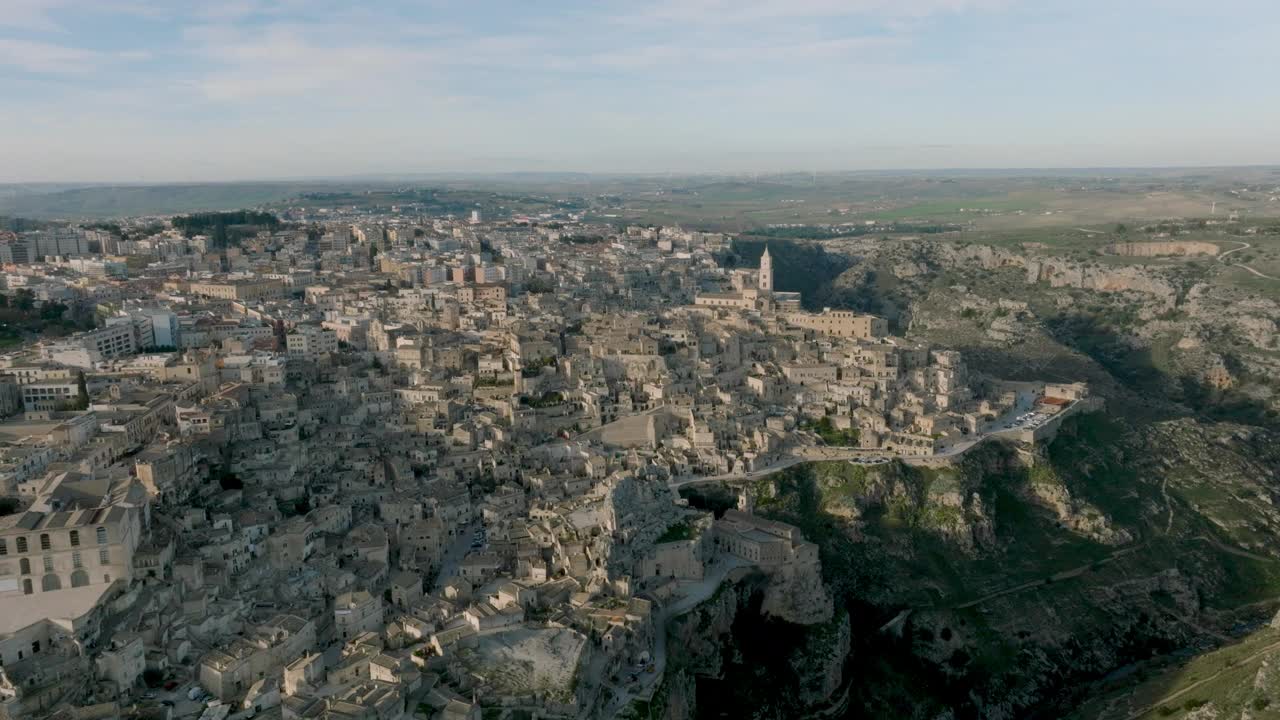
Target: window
(4, 548)
(75, 538)
(22, 544)
(44, 541)
(75, 560)
(48, 563)
(102, 536)
(104, 557)
(24, 566)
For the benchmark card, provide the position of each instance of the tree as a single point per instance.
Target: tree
(52, 311)
(82, 392)
(1121, 229)
(24, 299)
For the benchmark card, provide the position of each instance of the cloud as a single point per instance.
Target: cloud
(728, 12)
(53, 16)
(31, 15)
(40, 57)
(653, 56)
(53, 59)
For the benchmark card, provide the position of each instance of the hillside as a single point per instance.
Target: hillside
(1023, 583)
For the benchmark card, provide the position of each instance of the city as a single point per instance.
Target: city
(428, 464)
(678, 360)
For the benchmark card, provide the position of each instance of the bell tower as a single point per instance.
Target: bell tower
(765, 279)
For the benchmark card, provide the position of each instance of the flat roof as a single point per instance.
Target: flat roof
(17, 429)
(65, 605)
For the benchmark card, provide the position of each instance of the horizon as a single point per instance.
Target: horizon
(751, 176)
(138, 92)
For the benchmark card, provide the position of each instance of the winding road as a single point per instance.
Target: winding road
(1243, 246)
(822, 453)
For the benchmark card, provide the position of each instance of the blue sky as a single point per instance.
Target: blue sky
(187, 90)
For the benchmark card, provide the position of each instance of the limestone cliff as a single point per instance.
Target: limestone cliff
(1002, 588)
(731, 634)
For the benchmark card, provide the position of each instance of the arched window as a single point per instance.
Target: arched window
(48, 563)
(22, 544)
(75, 560)
(25, 566)
(102, 536)
(104, 557)
(50, 582)
(27, 589)
(75, 538)
(45, 544)
(79, 578)
(4, 548)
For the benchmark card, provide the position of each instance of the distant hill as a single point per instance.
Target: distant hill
(130, 200)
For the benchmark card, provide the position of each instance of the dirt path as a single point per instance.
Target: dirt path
(1174, 696)
(1255, 272)
(1168, 504)
(1063, 575)
(1243, 246)
(1238, 552)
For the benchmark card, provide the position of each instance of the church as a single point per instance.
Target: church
(752, 290)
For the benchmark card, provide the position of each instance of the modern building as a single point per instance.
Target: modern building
(308, 341)
(87, 349)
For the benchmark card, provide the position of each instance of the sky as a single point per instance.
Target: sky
(196, 90)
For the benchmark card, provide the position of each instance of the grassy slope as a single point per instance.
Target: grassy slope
(1231, 681)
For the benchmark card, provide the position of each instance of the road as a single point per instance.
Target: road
(454, 554)
(1025, 402)
(1243, 246)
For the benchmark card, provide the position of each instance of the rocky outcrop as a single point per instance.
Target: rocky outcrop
(701, 643)
(696, 639)
(796, 594)
(820, 663)
(1048, 491)
(1065, 273)
(1177, 248)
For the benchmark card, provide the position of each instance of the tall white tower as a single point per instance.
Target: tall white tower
(765, 279)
